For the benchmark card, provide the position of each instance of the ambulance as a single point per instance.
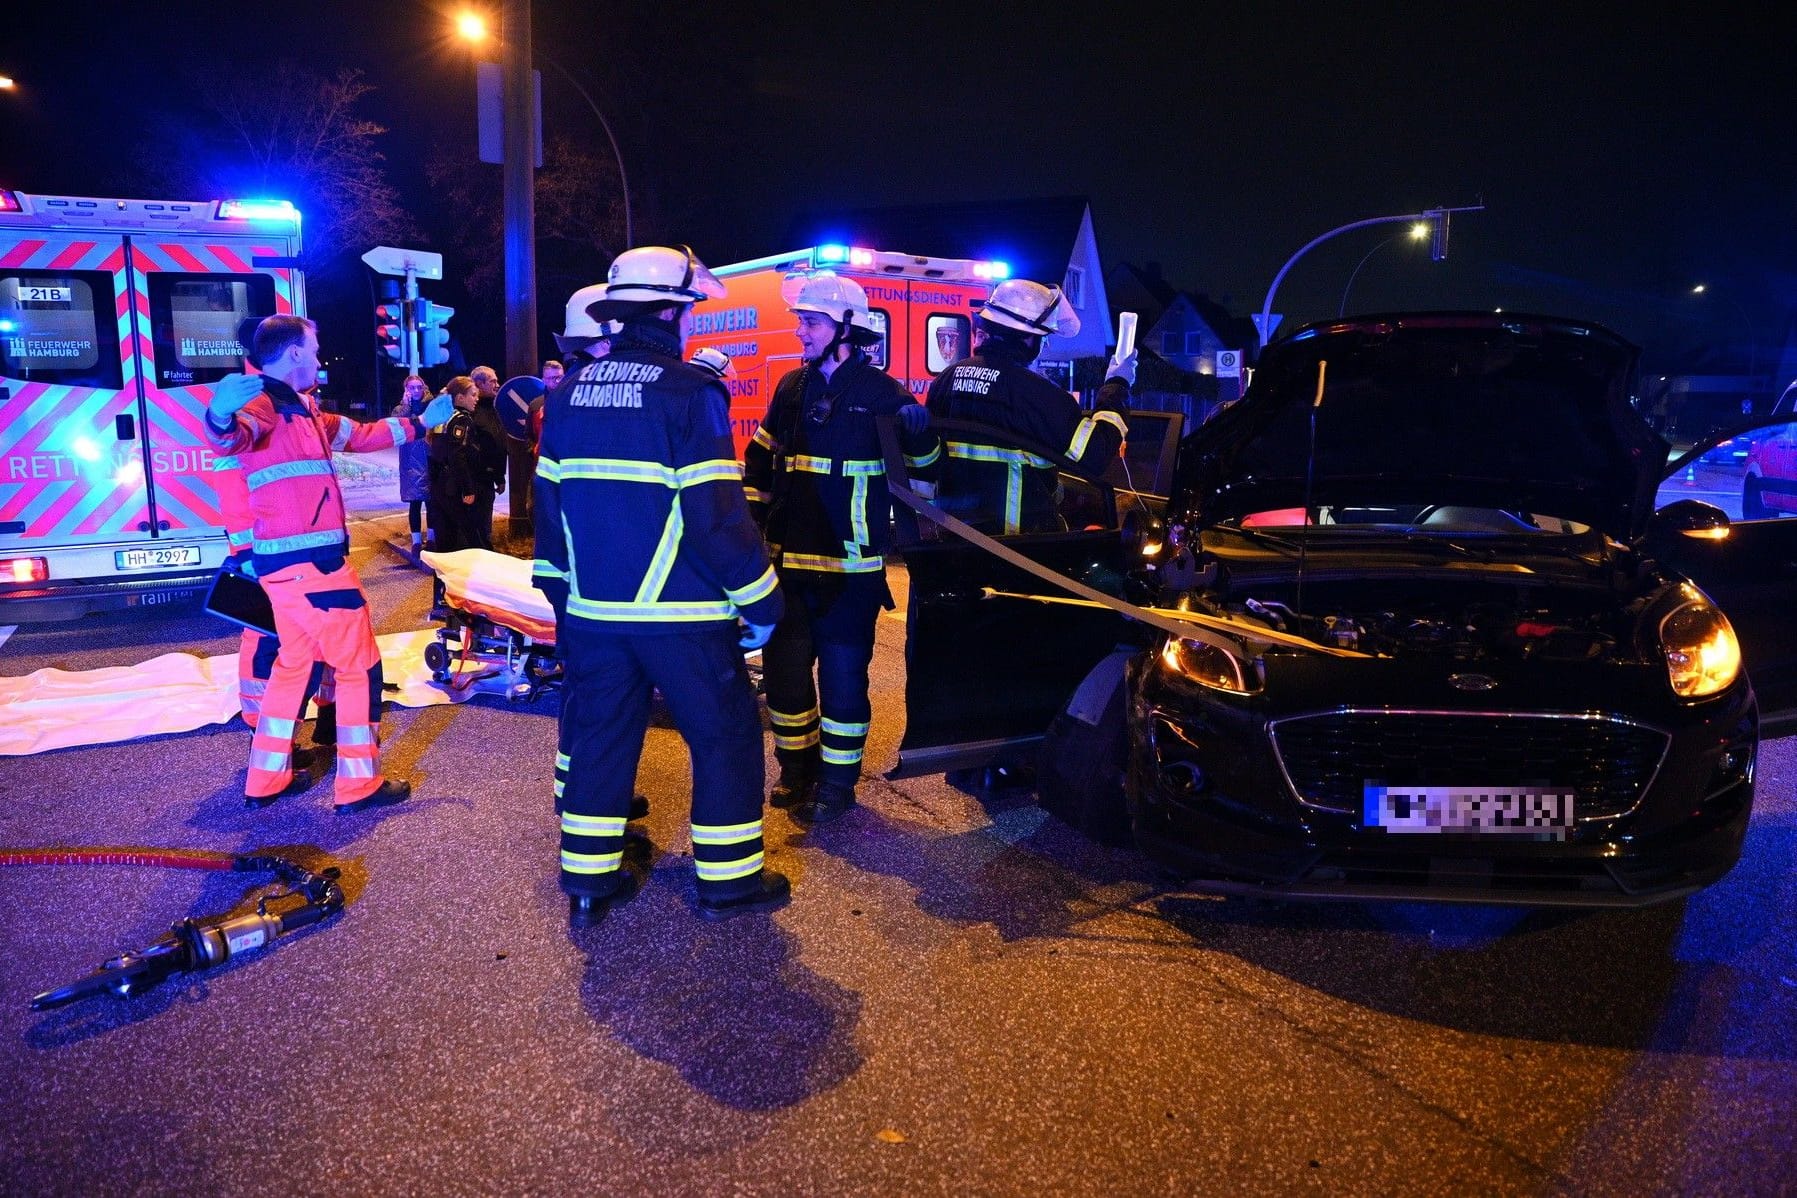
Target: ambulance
(925, 306)
(116, 317)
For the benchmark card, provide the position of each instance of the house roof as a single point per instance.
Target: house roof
(1034, 237)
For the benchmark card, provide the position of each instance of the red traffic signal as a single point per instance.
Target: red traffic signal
(389, 328)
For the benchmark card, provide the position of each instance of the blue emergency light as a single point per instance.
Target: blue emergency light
(832, 253)
(258, 210)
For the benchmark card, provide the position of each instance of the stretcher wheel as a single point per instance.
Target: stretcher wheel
(436, 656)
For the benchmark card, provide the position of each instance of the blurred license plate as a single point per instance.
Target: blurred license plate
(1470, 810)
(157, 559)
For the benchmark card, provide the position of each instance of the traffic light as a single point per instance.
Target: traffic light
(433, 338)
(390, 324)
(1438, 235)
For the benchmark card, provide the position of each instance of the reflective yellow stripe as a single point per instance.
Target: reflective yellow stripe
(833, 565)
(622, 470)
(926, 459)
(756, 591)
(549, 470)
(784, 720)
(808, 464)
(1083, 434)
(796, 742)
(724, 871)
(1013, 461)
(763, 438)
(663, 562)
(858, 511)
(563, 761)
(705, 472)
(592, 825)
(591, 863)
(544, 569)
(754, 496)
(853, 467)
(590, 609)
(840, 756)
(726, 833)
(838, 728)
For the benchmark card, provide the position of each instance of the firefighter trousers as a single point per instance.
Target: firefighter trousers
(321, 618)
(822, 723)
(256, 654)
(610, 680)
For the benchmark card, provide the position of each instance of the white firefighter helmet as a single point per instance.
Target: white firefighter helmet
(829, 294)
(578, 322)
(1030, 308)
(713, 361)
(660, 274)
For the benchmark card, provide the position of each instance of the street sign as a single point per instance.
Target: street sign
(1229, 363)
(392, 260)
(491, 127)
(1270, 323)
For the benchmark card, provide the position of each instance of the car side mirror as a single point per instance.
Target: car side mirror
(1144, 535)
(1691, 518)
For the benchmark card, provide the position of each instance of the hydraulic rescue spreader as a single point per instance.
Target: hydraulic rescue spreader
(192, 944)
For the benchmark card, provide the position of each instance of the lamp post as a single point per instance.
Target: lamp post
(1746, 326)
(1417, 232)
(472, 28)
(1435, 219)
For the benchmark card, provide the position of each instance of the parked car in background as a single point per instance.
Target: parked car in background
(1447, 638)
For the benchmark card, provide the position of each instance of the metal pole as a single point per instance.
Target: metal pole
(409, 320)
(519, 142)
(1342, 310)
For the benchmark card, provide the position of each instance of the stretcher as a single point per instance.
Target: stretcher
(498, 635)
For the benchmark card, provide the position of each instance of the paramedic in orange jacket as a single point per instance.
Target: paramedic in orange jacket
(256, 651)
(284, 446)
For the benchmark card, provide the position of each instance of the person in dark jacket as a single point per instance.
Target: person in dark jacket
(456, 476)
(816, 478)
(648, 556)
(1002, 488)
(491, 455)
(414, 461)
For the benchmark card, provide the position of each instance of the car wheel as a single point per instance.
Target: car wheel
(1753, 504)
(1080, 777)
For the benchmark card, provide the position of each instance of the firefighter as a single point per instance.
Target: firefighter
(816, 480)
(1003, 488)
(284, 446)
(647, 553)
(256, 651)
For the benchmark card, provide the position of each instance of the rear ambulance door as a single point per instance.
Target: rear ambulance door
(937, 331)
(71, 428)
(191, 292)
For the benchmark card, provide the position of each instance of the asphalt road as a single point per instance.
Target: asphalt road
(962, 996)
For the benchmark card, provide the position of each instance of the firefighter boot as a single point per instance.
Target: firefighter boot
(772, 890)
(587, 910)
(831, 801)
(390, 791)
(798, 779)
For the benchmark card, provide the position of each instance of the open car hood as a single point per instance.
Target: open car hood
(1522, 413)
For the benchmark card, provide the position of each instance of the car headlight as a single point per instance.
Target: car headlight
(1207, 665)
(1702, 654)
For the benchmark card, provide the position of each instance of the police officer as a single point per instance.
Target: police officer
(816, 477)
(1001, 488)
(647, 553)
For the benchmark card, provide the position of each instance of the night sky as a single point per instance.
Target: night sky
(1622, 159)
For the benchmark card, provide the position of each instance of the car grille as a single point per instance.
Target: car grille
(1328, 758)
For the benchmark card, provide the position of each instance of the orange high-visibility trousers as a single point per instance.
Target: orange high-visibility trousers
(255, 662)
(321, 619)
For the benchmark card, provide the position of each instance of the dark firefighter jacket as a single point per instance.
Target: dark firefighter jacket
(640, 520)
(814, 472)
(1013, 490)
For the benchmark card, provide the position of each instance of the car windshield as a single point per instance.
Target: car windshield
(1444, 519)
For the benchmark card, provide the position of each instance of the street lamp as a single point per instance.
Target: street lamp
(471, 28)
(1433, 219)
(1746, 326)
(1418, 232)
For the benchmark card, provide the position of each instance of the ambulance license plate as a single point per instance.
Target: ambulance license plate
(1532, 812)
(158, 558)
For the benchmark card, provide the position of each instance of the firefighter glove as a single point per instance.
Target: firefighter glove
(754, 636)
(438, 411)
(231, 393)
(1122, 368)
(914, 417)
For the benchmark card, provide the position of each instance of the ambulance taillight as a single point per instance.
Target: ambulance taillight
(24, 569)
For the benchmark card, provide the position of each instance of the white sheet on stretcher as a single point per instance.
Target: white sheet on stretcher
(177, 692)
(496, 587)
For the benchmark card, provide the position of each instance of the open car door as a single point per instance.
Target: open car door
(1751, 573)
(988, 665)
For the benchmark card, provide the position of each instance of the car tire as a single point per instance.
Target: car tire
(1080, 777)
(1753, 504)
